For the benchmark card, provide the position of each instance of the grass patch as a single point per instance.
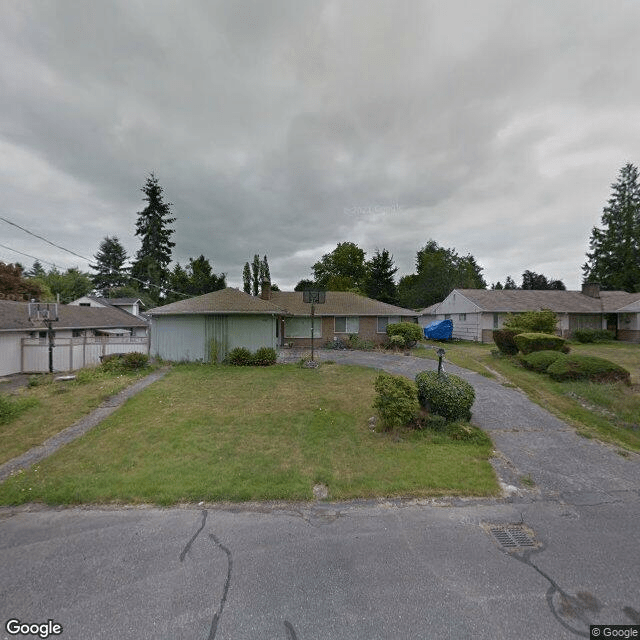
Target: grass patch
(219, 433)
(606, 411)
(47, 407)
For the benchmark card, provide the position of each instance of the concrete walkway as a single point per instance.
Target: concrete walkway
(77, 429)
(531, 442)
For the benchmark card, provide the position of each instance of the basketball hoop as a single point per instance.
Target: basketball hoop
(43, 311)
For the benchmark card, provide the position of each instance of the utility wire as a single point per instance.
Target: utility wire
(73, 253)
(28, 255)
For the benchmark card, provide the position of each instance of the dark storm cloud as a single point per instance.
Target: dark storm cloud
(285, 127)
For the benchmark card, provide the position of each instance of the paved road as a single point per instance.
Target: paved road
(384, 569)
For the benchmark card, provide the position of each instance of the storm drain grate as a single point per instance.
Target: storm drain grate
(512, 536)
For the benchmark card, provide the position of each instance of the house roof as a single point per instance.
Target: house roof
(231, 300)
(337, 303)
(225, 301)
(14, 316)
(519, 300)
(113, 301)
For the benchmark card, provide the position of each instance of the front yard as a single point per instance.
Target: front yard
(218, 433)
(609, 412)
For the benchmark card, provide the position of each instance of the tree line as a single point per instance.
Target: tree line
(613, 260)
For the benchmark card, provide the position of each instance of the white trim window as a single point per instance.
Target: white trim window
(301, 328)
(462, 317)
(346, 324)
(383, 321)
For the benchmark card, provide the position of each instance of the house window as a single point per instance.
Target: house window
(77, 333)
(496, 318)
(301, 328)
(447, 316)
(383, 321)
(347, 324)
(462, 317)
(84, 304)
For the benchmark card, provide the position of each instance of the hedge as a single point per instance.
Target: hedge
(410, 332)
(540, 361)
(530, 342)
(504, 339)
(445, 395)
(593, 335)
(396, 400)
(579, 367)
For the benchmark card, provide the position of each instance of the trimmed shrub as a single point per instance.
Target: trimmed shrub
(544, 321)
(410, 331)
(593, 335)
(540, 361)
(264, 357)
(530, 342)
(579, 367)
(396, 400)
(396, 342)
(446, 395)
(504, 339)
(134, 360)
(239, 357)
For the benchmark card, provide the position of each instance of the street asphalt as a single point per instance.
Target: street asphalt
(385, 569)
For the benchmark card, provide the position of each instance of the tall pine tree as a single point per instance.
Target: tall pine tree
(111, 272)
(379, 282)
(614, 256)
(153, 226)
(246, 278)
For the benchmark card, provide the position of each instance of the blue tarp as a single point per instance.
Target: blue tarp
(439, 330)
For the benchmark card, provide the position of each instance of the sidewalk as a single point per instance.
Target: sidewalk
(78, 429)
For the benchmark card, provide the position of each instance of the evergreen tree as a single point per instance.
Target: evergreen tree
(37, 270)
(196, 279)
(614, 256)
(439, 271)
(497, 286)
(510, 283)
(246, 278)
(379, 282)
(110, 266)
(265, 274)
(306, 285)
(540, 282)
(153, 227)
(255, 274)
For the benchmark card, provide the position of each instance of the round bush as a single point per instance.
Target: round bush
(264, 357)
(410, 331)
(396, 400)
(446, 395)
(239, 357)
(593, 335)
(530, 342)
(504, 339)
(540, 360)
(578, 367)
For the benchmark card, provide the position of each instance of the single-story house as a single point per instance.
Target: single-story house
(477, 312)
(190, 330)
(81, 336)
(342, 314)
(134, 306)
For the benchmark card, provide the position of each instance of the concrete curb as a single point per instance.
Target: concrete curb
(79, 428)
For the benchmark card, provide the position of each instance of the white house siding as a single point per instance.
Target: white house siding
(189, 337)
(9, 353)
(179, 338)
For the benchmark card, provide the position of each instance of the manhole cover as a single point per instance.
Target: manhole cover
(511, 536)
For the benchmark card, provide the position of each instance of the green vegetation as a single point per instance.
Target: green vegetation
(445, 395)
(544, 321)
(47, 407)
(582, 367)
(410, 332)
(593, 335)
(236, 433)
(540, 361)
(530, 342)
(396, 401)
(242, 357)
(606, 411)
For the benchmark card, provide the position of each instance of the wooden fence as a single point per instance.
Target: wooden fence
(70, 354)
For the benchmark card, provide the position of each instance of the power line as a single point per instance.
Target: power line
(73, 253)
(29, 256)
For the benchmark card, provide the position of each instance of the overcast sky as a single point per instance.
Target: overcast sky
(282, 128)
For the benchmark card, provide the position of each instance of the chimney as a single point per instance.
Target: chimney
(265, 294)
(591, 289)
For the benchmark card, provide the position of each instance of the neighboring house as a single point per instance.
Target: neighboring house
(342, 314)
(81, 336)
(477, 312)
(190, 330)
(133, 306)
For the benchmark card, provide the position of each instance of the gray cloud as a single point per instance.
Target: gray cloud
(286, 127)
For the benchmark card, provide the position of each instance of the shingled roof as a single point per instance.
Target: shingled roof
(519, 300)
(337, 303)
(14, 316)
(224, 301)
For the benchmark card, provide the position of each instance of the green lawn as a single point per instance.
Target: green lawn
(50, 407)
(220, 433)
(608, 412)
